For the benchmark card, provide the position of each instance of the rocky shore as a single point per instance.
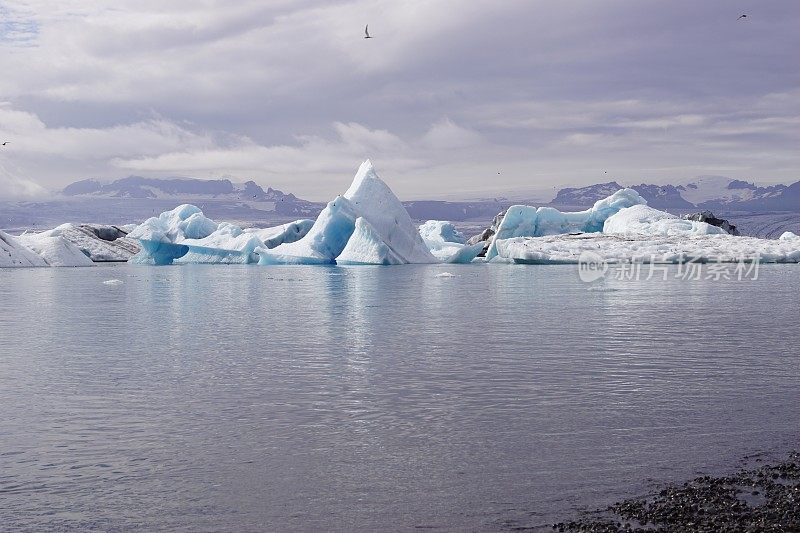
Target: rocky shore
(759, 498)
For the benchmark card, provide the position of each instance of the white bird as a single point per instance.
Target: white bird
(366, 33)
(6, 142)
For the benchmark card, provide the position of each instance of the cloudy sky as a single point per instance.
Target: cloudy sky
(446, 95)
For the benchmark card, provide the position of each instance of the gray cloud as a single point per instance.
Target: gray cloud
(446, 95)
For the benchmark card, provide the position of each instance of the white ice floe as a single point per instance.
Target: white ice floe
(113, 282)
(14, 254)
(384, 219)
(647, 248)
(527, 221)
(445, 275)
(788, 236)
(55, 249)
(644, 220)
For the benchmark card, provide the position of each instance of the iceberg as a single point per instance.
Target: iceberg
(437, 232)
(376, 202)
(100, 243)
(184, 222)
(616, 248)
(228, 243)
(287, 233)
(385, 223)
(55, 249)
(365, 247)
(161, 237)
(322, 244)
(644, 220)
(633, 232)
(527, 221)
(185, 235)
(447, 244)
(466, 254)
(14, 254)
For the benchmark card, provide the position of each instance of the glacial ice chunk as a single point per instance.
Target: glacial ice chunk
(185, 235)
(435, 232)
(184, 222)
(465, 254)
(375, 201)
(446, 243)
(324, 241)
(55, 249)
(388, 222)
(644, 220)
(288, 233)
(98, 242)
(642, 248)
(14, 254)
(365, 247)
(527, 221)
(161, 237)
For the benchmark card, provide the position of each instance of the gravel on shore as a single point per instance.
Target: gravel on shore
(761, 498)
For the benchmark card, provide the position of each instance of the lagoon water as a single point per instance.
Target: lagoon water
(213, 398)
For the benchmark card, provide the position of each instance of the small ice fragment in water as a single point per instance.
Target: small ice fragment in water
(445, 275)
(113, 282)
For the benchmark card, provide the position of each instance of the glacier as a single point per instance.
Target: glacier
(385, 234)
(527, 221)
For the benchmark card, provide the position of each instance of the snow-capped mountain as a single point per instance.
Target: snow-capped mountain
(722, 190)
(705, 192)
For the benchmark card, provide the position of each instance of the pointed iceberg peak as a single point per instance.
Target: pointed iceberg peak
(365, 172)
(385, 235)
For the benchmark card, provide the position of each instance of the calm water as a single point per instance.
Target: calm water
(254, 398)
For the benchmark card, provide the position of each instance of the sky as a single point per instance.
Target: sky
(450, 99)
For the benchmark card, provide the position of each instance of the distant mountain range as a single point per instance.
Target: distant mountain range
(191, 189)
(716, 193)
(251, 196)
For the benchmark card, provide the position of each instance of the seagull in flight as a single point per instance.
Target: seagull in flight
(6, 142)
(366, 33)
(742, 17)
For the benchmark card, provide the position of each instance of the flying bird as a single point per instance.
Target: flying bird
(742, 17)
(366, 32)
(6, 142)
